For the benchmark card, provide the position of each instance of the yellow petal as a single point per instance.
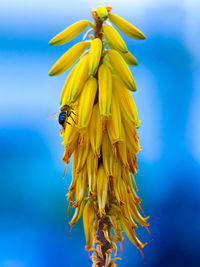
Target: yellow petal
(66, 85)
(77, 214)
(126, 102)
(86, 103)
(114, 38)
(70, 33)
(88, 222)
(69, 58)
(82, 153)
(122, 151)
(105, 90)
(107, 155)
(92, 164)
(114, 122)
(95, 55)
(81, 186)
(122, 69)
(126, 27)
(76, 83)
(102, 188)
(95, 131)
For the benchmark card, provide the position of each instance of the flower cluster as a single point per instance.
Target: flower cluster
(99, 121)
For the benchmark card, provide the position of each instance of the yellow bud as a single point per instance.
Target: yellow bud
(102, 188)
(70, 33)
(135, 213)
(92, 165)
(105, 90)
(95, 131)
(107, 155)
(106, 62)
(88, 222)
(126, 102)
(122, 69)
(114, 38)
(131, 142)
(78, 78)
(102, 13)
(86, 103)
(130, 232)
(69, 58)
(114, 123)
(66, 86)
(70, 141)
(126, 27)
(82, 154)
(81, 186)
(77, 214)
(121, 150)
(95, 55)
(116, 181)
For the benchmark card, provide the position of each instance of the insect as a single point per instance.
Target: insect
(66, 111)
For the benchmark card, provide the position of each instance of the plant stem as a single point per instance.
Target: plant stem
(100, 236)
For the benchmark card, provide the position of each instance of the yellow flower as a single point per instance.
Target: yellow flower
(100, 132)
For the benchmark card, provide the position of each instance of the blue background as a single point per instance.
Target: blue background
(34, 228)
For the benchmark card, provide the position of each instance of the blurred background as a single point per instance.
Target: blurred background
(34, 228)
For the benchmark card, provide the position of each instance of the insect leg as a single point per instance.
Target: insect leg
(72, 119)
(74, 113)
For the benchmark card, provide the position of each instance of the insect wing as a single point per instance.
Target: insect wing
(54, 116)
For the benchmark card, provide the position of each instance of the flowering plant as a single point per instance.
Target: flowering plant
(99, 121)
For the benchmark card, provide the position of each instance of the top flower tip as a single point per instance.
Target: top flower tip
(102, 13)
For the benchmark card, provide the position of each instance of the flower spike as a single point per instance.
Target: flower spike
(99, 130)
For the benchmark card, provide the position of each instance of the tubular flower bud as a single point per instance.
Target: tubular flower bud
(122, 69)
(135, 214)
(132, 143)
(114, 123)
(66, 85)
(108, 157)
(92, 165)
(69, 58)
(105, 90)
(88, 223)
(126, 102)
(106, 62)
(130, 232)
(86, 103)
(102, 13)
(82, 153)
(114, 38)
(95, 55)
(78, 78)
(102, 183)
(95, 131)
(70, 141)
(126, 27)
(121, 150)
(99, 122)
(70, 33)
(77, 214)
(81, 186)
(128, 57)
